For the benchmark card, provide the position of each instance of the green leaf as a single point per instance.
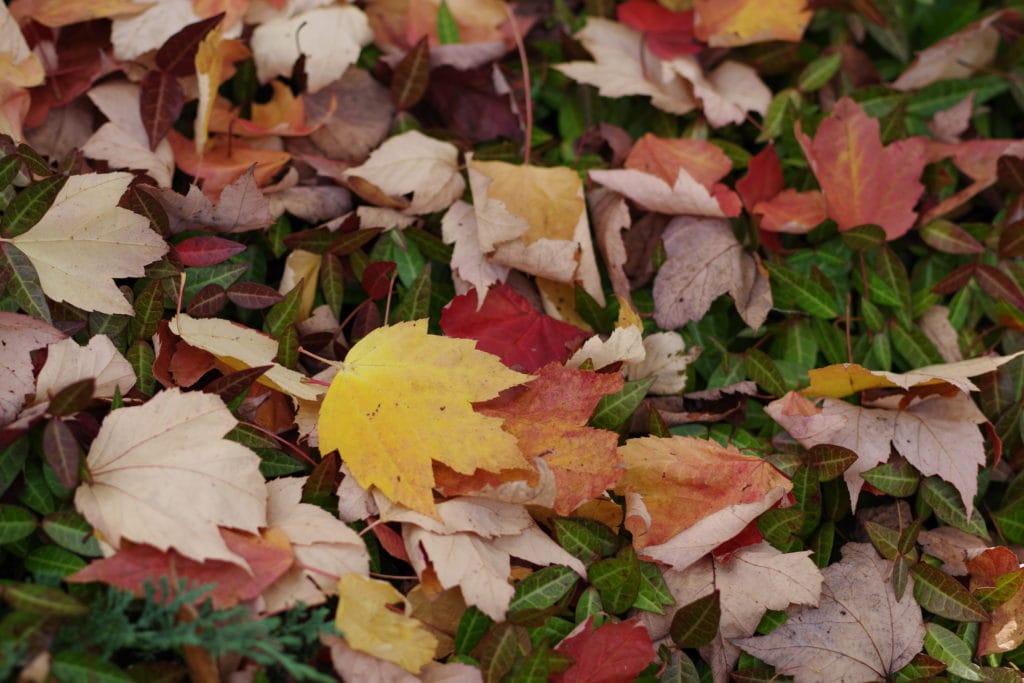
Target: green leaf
(223, 274)
(284, 313)
(1007, 586)
(617, 579)
(49, 560)
(274, 463)
(498, 650)
(945, 502)
(472, 627)
(654, 593)
(149, 308)
(42, 600)
(830, 341)
(779, 525)
(30, 205)
(16, 523)
(447, 29)
(920, 667)
(680, 669)
(890, 270)
(543, 589)
(79, 667)
(696, 624)
(897, 478)
(332, 282)
(863, 237)
(589, 605)
(585, 539)
(935, 97)
(12, 459)
(808, 294)
(941, 594)
(142, 357)
(822, 542)
(943, 645)
(915, 348)
(819, 72)
(763, 370)
(613, 410)
(23, 282)
(593, 313)
(69, 530)
(830, 461)
(415, 302)
(884, 539)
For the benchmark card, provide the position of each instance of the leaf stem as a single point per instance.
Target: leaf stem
(527, 87)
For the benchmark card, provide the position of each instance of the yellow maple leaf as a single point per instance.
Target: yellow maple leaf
(403, 398)
(370, 627)
(727, 23)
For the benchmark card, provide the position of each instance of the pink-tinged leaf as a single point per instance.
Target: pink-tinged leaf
(253, 295)
(956, 280)
(206, 250)
(863, 181)
(160, 103)
(763, 179)
(207, 302)
(268, 557)
(1011, 241)
(944, 236)
(667, 34)
(377, 279)
(791, 211)
(609, 654)
(999, 285)
(510, 328)
(177, 55)
(62, 452)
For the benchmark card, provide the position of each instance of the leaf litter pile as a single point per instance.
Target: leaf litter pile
(426, 340)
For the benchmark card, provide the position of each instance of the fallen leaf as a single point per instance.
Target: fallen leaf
(330, 39)
(241, 207)
(134, 35)
(471, 545)
(99, 360)
(459, 227)
(240, 347)
(58, 13)
(864, 182)
(952, 546)
(610, 216)
(859, 631)
(959, 55)
(705, 261)
(742, 22)
(683, 480)
(388, 435)
(614, 651)
(369, 626)
(284, 114)
(534, 219)
(937, 435)
(225, 161)
(412, 163)
(507, 325)
(624, 344)
(844, 379)
(353, 665)
(667, 33)
(147, 459)
(134, 566)
(324, 547)
(624, 65)
(756, 579)
(549, 417)
(85, 240)
(361, 119)
(949, 124)
(122, 141)
(19, 336)
(978, 159)
(992, 568)
(665, 360)
(301, 268)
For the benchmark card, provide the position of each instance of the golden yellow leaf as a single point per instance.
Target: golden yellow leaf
(403, 399)
(726, 23)
(370, 627)
(843, 379)
(208, 69)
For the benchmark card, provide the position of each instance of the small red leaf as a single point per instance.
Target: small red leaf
(1011, 241)
(613, 652)
(177, 55)
(230, 387)
(668, 34)
(253, 295)
(954, 281)
(207, 302)
(206, 250)
(510, 328)
(377, 279)
(998, 285)
(62, 452)
(160, 103)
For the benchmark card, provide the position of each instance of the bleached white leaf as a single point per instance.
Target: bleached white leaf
(67, 363)
(122, 141)
(19, 336)
(162, 474)
(329, 37)
(459, 227)
(85, 240)
(412, 163)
